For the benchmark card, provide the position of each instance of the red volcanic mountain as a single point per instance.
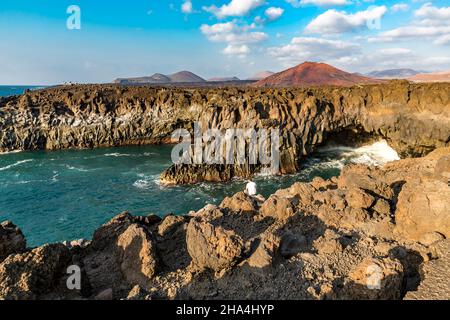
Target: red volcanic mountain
(314, 74)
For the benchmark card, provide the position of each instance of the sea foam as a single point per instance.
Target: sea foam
(18, 163)
(142, 184)
(376, 154)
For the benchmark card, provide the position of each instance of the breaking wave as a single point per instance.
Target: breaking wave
(376, 154)
(146, 181)
(18, 163)
(142, 184)
(116, 154)
(77, 169)
(9, 152)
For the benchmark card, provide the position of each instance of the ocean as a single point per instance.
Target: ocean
(16, 90)
(66, 195)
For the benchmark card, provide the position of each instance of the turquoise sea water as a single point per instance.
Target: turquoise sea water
(15, 90)
(66, 195)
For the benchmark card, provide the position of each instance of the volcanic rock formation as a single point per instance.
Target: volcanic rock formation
(413, 118)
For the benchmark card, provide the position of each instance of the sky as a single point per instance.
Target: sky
(48, 42)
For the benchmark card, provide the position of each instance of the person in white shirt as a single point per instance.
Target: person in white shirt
(250, 189)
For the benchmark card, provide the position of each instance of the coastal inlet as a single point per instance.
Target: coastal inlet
(60, 195)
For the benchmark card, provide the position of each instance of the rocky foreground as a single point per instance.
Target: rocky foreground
(372, 233)
(413, 118)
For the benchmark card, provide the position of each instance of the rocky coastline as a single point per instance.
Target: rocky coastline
(413, 118)
(371, 233)
(320, 240)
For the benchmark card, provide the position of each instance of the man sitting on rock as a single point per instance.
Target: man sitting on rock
(250, 190)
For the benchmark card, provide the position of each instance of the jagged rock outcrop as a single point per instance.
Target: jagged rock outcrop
(240, 202)
(413, 118)
(212, 246)
(12, 240)
(277, 207)
(171, 242)
(138, 257)
(34, 273)
(423, 209)
(123, 251)
(344, 238)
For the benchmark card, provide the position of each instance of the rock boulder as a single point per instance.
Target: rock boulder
(213, 247)
(31, 274)
(12, 240)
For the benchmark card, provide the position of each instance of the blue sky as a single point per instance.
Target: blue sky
(216, 38)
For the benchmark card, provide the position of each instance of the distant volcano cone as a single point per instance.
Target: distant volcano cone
(185, 76)
(313, 74)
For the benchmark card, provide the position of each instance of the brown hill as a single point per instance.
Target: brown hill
(185, 76)
(261, 75)
(314, 74)
(158, 78)
(431, 77)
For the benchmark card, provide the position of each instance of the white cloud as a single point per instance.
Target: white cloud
(186, 7)
(352, 57)
(333, 21)
(259, 20)
(428, 12)
(236, 8)
(393, 59)
(438, 61)
(410, 32)
(394, 51)
(309, 48)
(400, 7)
(240, 50)
(274, 13)
(433, 24)
(320, 3)
(443, 40)
(231, 33)
(235, 36)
